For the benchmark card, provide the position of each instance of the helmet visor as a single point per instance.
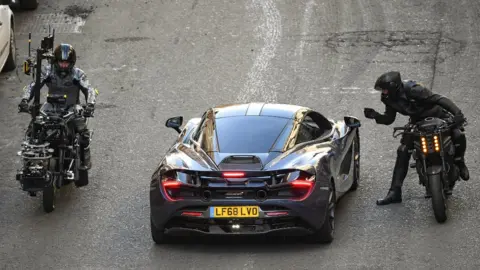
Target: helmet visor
(63, 64)
(384, 91)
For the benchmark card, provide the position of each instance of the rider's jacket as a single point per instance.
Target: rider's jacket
(416, 101)
(68, 86)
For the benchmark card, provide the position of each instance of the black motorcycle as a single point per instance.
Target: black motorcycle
(434, 155)
(51, 153)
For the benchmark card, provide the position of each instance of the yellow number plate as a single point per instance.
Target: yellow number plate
(234, 211)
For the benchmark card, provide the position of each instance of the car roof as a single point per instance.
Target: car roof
(259, 109)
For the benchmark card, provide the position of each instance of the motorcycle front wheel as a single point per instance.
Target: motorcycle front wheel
(49, 191)
(438, 197)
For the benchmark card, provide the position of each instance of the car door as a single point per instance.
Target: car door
(4, 33)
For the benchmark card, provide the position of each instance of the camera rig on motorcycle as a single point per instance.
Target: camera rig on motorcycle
(50, 151)
(45, 52)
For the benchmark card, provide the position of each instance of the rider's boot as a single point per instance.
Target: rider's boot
(463, 170)
(399, 173)
(394, 196)
(85, 161)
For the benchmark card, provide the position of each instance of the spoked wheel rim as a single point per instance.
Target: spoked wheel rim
(331, 209)
(356, 160)
(12, 45)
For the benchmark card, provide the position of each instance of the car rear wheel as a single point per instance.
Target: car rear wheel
(158, 235)
(326, 233)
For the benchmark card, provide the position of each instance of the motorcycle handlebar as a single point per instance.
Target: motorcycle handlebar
(30, 108)
(407, 127)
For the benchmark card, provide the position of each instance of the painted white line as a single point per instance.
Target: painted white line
(351, 92)
(106, 69)
(250, 264)
(6, 144)
(270, 31)
(343, 90)
(306, 19)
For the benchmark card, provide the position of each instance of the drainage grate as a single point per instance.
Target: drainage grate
(61, 22)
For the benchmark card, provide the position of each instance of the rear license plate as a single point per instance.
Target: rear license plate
(234, 211)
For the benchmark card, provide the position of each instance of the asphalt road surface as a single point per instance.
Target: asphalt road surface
(156, 59)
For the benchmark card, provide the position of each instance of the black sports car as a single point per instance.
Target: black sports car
(255, 169)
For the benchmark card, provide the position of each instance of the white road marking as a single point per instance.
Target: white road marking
(306, 19)
(342, 90)
(270, 31)
(250, 264)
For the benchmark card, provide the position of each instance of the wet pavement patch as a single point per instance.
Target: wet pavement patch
(70, 21)
(78, 11)
(62, 23)
(390, 46)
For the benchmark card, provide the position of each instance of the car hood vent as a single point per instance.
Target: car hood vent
(241, 162)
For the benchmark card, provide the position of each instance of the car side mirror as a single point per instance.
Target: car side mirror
(352, 122)
(175, 123)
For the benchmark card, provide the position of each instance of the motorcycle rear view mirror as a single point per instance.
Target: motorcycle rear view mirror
(175, 123)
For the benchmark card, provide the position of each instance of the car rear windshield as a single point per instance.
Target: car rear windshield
(248, 134)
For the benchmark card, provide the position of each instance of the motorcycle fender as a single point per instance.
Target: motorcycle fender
(434, 170)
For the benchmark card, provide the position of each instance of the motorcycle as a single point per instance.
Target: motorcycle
(50, 153)
(434, 155)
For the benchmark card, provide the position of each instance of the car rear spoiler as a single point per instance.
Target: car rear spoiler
(236, 173)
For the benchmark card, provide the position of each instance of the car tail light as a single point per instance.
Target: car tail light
(302, 186)
(172, 184)
(171, 188)
(233, 174)
(192, 214)
(276, 213)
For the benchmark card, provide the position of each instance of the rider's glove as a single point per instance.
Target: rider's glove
(89, 109)
(459, 119)
(370, 113)
(23, 106)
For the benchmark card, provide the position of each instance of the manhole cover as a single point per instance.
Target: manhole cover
(61, 22)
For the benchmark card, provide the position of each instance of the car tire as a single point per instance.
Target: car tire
(11, 64)
(158, 235)
(28, 4)
(356, 162)
(325, 235)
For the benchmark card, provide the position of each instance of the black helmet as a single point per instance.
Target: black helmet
(389, 83)
(64, 58)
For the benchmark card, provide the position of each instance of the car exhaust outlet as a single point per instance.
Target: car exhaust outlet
(207, 195)
(261, 195)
